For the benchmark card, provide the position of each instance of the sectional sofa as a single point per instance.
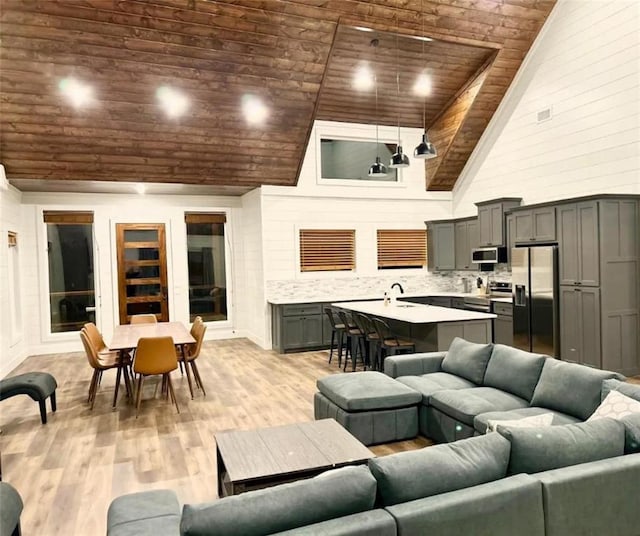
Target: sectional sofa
(574, 478)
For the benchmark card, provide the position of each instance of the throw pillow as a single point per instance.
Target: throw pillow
(535, 421)
(616, 406)
(540, 449)
(467, 359)
(629, 389)
(631, 433)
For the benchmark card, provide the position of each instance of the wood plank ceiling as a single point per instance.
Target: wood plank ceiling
(297, 56)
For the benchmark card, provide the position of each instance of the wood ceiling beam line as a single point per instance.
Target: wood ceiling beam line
(317, 103)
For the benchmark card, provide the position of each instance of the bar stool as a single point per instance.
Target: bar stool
(371, 339)
(354, 334)
(337, 332)
(390, 344)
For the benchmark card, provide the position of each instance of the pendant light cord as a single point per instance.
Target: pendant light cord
(374, 44)
(424, 97)
(398, 74)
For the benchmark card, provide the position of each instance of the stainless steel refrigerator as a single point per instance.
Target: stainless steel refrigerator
(535, 299)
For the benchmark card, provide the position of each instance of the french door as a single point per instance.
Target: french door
(142, 270)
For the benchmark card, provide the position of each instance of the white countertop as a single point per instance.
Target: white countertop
(328, 299)
(413, 313)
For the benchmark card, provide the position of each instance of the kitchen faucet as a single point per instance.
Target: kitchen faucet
(399, 286)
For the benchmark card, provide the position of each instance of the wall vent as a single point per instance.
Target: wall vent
(544, 115)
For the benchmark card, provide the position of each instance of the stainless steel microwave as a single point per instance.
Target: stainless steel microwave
(489, 255)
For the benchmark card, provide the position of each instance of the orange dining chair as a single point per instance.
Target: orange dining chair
(143, 319)
(190, 352)
(155, 356)
(101, 360)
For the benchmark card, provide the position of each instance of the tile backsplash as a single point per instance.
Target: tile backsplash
(370, 287)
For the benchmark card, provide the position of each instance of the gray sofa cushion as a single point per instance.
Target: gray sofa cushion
(631, 433)
(378, 522)
(595, 499)
(413, 364)
(152, 513)
(541, 449)
(629, 389)
(480, 421)
(428, 384)
(10, 508)
(429, 471)
(362, 391)
(570, 388)
(507, 507)
(513, 370)
(336, 493)
(465, 404)
(467, 359)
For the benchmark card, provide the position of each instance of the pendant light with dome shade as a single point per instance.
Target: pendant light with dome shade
(377, 170)
(425, 149)
(398, 159)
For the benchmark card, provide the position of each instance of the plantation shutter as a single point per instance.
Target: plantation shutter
(327, 250)
(66, 217)
(205, 217)
(12, 239)
(402, 248)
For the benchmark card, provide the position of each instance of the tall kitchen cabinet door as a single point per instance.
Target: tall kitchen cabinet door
(441, 246)
(466, 239)
(579, 245)
(580, 325)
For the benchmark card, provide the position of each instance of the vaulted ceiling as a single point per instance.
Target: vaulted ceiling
(297, 56)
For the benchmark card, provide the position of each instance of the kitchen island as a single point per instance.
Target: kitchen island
(432, 328)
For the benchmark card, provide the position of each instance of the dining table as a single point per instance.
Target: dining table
(125, 338)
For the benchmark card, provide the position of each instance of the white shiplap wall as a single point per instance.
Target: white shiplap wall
(585, 65)
(12, 343)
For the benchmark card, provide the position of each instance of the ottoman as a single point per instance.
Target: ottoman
(372, 406)
(38, 385)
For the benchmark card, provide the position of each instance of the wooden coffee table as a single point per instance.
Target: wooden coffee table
(255, 459)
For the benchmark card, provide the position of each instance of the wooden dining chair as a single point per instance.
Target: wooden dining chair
(100, 359)
(155, 356)
(190, 352)
(143, 319)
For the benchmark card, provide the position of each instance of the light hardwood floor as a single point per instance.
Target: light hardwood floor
(70, 469)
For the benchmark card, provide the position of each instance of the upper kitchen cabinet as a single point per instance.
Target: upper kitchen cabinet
(466, 239)
(579, 248)
(534, 225)
(491, 220)
(441, 245)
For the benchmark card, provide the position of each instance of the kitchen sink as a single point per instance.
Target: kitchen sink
(407, 305)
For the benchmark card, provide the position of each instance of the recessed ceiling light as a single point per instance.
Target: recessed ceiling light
(422, 85)
(363, 29)
(77, 93)
(363, 78)
(254, 110)
(174, 102)
(141, 188)
(421, 38)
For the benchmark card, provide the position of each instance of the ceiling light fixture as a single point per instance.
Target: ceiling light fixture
(422, 86)
(76, 92)
(254, 110)
(363, 28)
(425, 149)
(140, 188)
(363, 78)
(173, 101)
(377, 170)
(398, 159)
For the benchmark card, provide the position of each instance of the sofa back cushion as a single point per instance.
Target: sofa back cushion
(628, 389)
(513, 370)
(336, 493)
(631, 433)
(570, 388)
(421, 473)
(467, 359)
(539, 449)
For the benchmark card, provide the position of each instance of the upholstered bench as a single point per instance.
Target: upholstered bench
(38, 385)
(370, 405)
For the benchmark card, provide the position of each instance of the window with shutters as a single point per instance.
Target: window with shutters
(402, 248)
(324, 250)
(71, 269)
(206, 256)
(13, 277)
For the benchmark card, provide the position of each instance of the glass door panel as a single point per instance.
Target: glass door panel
(142, 270)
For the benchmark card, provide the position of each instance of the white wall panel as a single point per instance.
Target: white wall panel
(584, 65)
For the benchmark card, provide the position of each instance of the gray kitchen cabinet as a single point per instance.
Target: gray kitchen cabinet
(503, 324)
(579, 255)
(534, 225)
(491, 220)
(580, 325)
(299, 327)
(510, 238)
(466, 239)
(440, 301)
(457, 303)
(441, 245)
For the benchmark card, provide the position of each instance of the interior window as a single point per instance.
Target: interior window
(351, 160)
